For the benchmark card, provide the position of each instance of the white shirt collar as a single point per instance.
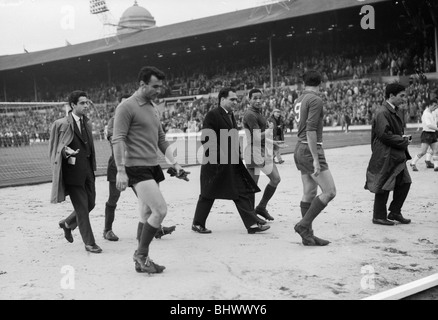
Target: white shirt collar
(228, 112)
(393, 106)
(75, 117)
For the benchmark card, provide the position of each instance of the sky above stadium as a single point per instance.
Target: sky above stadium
(35, 25)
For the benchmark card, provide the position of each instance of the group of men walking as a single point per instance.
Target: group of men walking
(138, 135)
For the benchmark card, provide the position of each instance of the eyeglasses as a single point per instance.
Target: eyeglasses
(233, 99)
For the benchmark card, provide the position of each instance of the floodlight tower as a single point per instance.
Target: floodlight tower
(268, 4)
(100, 8)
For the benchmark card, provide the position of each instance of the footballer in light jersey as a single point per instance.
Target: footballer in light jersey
(433, 98)
(310, 159)
(429, 137)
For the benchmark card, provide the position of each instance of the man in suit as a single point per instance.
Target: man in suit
(387, 170)
(223, 174)
(73, 161)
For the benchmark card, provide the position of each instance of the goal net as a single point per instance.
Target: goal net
(24, 140)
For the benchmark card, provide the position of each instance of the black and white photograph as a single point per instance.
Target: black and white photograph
(223, 157)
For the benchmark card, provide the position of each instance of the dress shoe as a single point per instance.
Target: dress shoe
(110, 236)
(399, 218)
(67, 231)
(259, 228)
(260, 221)
(93, 248)
(306, 235)
(163, 231)
(264, 213)
(200, 229)
(429, 164)
(414, 167)
(145, 265)
(383, 222)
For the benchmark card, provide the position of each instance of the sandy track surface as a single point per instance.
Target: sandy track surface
(36, 260)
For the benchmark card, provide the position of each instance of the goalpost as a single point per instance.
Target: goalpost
(24, 140)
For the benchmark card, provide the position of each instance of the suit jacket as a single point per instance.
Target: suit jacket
(222, 163)
(64, 133)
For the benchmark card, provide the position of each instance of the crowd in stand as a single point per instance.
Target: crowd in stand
(354, 99)
(195, 79)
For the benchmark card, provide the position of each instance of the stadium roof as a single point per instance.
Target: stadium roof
(234, 20)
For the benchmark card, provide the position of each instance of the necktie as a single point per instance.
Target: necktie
(83, 131)
(230, 115)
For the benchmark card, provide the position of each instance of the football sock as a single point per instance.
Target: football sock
(139, 231)
(428, 156)
(304, 208)
(315, 209)
(267, 195)
(415, 160)
(435, 163)
(146, 238)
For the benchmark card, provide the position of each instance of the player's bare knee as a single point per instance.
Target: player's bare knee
(276, 181)
(161, 210)
(330, 194)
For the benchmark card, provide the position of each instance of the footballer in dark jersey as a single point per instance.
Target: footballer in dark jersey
(259, 157)
(310, 159)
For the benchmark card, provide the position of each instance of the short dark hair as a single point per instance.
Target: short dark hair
(73, 98)
(224, 93)
(250, 94)
(146, 73)
(312, 78)
(393, 88)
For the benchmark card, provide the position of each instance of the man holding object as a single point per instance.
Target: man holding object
(387, 170)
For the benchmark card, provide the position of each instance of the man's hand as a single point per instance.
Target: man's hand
(121, 180)
(317, 168)
(70, 152)
(179, 172)
(408, 137)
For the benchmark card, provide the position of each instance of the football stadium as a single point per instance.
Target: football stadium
(359, 48)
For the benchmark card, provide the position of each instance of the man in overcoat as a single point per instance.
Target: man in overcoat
(223, 174)
(73, 162)
(387, 170)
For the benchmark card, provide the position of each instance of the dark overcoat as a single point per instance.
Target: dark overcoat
(222, 161)
(389, 151)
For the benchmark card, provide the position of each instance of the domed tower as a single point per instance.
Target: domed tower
(134, 19)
